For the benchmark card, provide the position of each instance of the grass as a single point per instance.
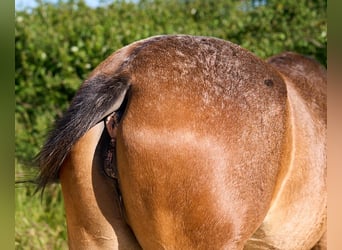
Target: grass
(39, 222)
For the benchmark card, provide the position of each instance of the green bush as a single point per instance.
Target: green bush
(39, 224)
(57, 45)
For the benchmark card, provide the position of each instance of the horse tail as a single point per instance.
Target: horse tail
(98, 97)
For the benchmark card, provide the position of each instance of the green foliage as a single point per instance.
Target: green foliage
(40, 223)
(57, 45)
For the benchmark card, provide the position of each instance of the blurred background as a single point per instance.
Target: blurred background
(58, 43)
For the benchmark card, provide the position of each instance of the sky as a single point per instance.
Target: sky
(21, 4)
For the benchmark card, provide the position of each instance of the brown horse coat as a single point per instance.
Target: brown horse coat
(215, 149)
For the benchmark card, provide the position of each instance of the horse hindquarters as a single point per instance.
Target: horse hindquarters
(199, 146)
(297, 217)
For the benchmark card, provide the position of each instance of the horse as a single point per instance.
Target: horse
(192, 142)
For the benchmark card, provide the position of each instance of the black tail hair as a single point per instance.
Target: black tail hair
(97, 98)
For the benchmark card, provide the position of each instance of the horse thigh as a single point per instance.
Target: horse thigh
(188, 193)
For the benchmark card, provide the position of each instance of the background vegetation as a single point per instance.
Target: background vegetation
(57, 45)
